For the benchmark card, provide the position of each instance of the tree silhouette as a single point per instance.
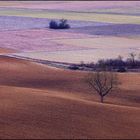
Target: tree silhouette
(102, 82)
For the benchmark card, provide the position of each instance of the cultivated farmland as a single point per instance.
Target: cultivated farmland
(40, 97)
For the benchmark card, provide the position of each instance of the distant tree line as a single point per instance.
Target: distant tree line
(118, 64)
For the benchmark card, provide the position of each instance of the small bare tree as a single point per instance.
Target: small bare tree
(132, 58)
(102, 82)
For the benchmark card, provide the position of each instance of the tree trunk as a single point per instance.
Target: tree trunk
(102, 99)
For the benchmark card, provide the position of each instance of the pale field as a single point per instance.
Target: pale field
(37, 40)
(72, 47)
(76, 56)
(110, 18)
(125, 11)
(88, 49)
(75, 10)
(102, 42)
(71, 5)
(67, 47)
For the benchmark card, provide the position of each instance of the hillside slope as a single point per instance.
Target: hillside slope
(37, 101)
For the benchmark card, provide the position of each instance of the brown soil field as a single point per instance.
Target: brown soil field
(37, 101)
(6, 50)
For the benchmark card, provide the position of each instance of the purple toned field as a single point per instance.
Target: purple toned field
(66, 47)
(19, 23)
(85, 27)
(111, 30)
(37, 40)
(85, 41)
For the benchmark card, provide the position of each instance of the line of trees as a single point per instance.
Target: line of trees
(118, 64)
(103, 79)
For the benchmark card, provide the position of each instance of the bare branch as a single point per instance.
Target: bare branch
(102, 82)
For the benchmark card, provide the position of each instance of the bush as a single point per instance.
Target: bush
(53, 24)
(73, 67)
(61, 25)
(121, 69)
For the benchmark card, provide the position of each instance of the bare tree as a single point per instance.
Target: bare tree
(120, 58)
(132, 58)
(139, 57)
(102, 82)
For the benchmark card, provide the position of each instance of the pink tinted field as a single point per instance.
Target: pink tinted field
(38, 40)
(85, 41)
(59, 46)
(71, 5)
